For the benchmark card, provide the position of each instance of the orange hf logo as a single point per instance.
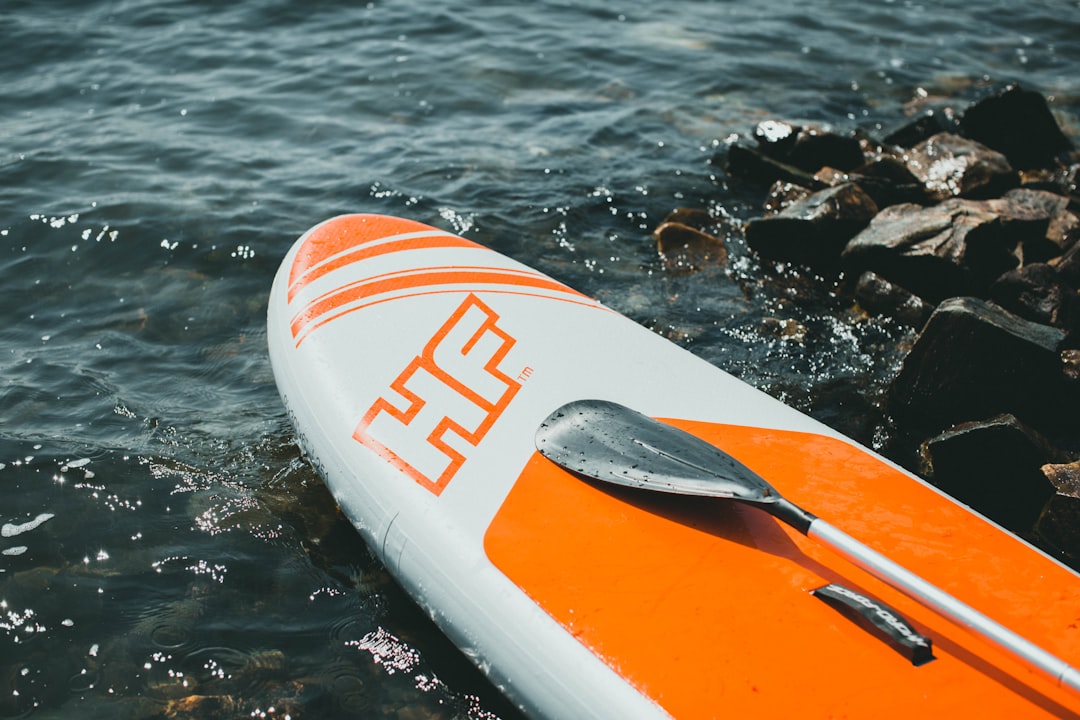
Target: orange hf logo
(452, 393)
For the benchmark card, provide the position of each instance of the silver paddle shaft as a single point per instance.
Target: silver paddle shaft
(934, 597)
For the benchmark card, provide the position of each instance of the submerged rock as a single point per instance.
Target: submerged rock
(994, 466)
(974, 360)
(687, 249)
(812, 230)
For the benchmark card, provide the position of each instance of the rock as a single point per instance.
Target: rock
(686, 249)
(755, 166)
(955, 248)
(974, 360)
(814, 229)
(694, 217)
(1059, 524)
(814, 149)
(916, 131)
(994, 467)
(1034, 292)
(888, 181)
(1051, 228)
(781, 194)
(1019, 124)
(808, 149)
(1068, 266)
(952, 166)
(776, 137)
(882, 297)
(1070, 365)
(1065, 477)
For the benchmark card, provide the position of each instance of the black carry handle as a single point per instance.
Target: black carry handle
(880, 620)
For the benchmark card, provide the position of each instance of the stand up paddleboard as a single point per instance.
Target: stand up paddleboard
(418, 367)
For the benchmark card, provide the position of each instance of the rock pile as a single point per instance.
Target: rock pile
(966, 226)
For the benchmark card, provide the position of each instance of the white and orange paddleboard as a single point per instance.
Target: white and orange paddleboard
(417, 366)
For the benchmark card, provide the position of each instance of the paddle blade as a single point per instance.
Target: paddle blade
(611, 443)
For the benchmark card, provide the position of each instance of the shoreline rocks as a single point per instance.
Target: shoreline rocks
(965, 226)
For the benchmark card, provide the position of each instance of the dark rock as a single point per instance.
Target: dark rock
(686, 249)
(1019, 124)
(974, 359)
(952, 166)
(1059, 524)
(1034, 292)
(808, 149)
(756, 166)
(1050, 227)
(888, 181)
(879, 296)
(1068, 266)
(781, 194)
(815, 149)
(955, 248)
(994, 467)
(914, 132)
(776, 137)
(1070, 365)
(812, 230)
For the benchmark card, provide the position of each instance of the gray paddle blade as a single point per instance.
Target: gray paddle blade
(611, 443)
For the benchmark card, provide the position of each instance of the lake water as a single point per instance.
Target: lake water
(165, 549)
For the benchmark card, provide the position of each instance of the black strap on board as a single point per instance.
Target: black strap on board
(879, 620)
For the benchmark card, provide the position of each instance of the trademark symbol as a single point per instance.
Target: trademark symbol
(525, 374)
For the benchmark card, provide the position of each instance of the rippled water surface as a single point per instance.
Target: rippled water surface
(165, 551)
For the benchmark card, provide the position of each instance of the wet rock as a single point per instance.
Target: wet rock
(814, 229)
(1065, 477)
(952, 166)
(955, 248)
(781, 194)
(694, 217)
(974, 360)
(1059, 523)
(814, 149)
(1036, 293)
(808, 149)
(994, 466)
(888, 181)
(1068, 266)
(1070, 365)
(755, 166)
(776, 137)
(1019, 124)
(916, 131)
(1050, 227)
(879, 296)
(686, 249)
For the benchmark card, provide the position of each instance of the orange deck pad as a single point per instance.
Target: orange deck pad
(705, 606)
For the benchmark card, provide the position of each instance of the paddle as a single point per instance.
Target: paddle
(611, 443)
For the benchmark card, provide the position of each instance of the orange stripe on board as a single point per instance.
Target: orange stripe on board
(351, 238)
(705, 606)
(584, 301)
(440, 276)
